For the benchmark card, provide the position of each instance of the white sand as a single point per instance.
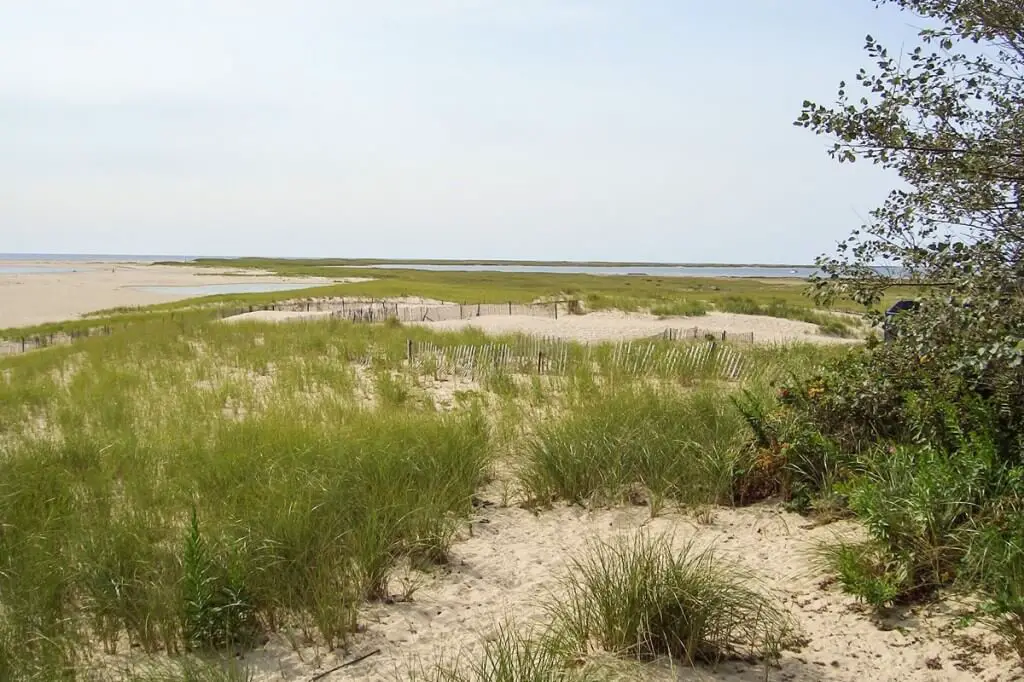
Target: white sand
(612, 326)
(279, 316)
(602, 326)
(512, 560)
(36, 298)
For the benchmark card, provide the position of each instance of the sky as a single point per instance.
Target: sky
(648, 130)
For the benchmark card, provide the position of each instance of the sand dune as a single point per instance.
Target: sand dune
(512, 559)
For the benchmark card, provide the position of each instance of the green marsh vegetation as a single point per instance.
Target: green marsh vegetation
(663, 296)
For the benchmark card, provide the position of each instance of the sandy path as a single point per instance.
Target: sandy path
(513, 558)
(40, 297)
(613, 326)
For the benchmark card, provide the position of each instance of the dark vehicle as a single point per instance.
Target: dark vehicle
(888, 328)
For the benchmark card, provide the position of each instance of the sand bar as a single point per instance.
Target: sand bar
(52, 291)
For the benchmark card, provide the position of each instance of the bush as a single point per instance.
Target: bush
(994, 565)
(641, 599)
(217, 609)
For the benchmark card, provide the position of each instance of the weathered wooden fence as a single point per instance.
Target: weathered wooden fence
(674, 334)
(29, 342)
(558, 357)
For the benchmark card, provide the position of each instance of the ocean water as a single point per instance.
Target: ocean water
(648, 270)
(93, 257)
(645, 270)
(212, 289)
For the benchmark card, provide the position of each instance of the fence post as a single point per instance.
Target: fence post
(723, 335)
(478, 310)
(540, 362)
(556, 309)
(23, 344)
(510, 307)
(408, 350)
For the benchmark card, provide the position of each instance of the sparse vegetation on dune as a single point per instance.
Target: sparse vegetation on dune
(183, 486)
(635, 600)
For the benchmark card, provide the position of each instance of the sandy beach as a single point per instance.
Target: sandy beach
(61, 290)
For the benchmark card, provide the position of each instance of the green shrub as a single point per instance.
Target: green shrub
(217, 610)
(994, 565)
(835, 327)
(915, 502)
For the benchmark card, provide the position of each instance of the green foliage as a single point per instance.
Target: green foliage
(945, 117)
(835, 327)
(866, 570)
(640, 598)
(217, 609)
(995, 564)
(915, 502)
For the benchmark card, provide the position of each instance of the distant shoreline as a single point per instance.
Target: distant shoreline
(157, 258)
(499, 262)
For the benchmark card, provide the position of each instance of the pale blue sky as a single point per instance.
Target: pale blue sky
(550, 129)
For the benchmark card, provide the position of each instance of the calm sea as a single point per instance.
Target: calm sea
(93, 257)
(650, 270)
(31, 269)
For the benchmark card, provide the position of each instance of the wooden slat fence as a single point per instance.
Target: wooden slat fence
(557, 357)
(694, 333)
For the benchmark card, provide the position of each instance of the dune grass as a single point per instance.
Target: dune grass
(641, 598)
(683, 446)
(184, 485)
(191, 490)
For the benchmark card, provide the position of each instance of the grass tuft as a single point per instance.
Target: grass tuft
(640, 598)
